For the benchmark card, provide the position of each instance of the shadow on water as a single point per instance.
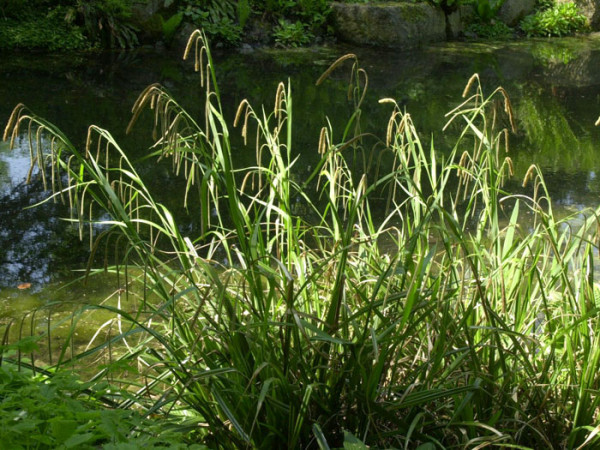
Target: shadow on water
(554, 86)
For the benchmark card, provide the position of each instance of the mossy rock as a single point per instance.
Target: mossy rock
(512, 11)
(151, 29)
(398, 25)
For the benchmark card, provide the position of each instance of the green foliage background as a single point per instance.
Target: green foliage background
(77, 24)
(66, 25)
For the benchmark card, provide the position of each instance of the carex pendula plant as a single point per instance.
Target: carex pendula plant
(409, 306)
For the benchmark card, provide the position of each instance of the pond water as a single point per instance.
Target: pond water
(554, 86)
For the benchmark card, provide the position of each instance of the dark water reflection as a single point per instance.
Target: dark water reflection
(554, 85)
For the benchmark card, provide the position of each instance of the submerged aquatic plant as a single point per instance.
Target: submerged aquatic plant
(441, 322)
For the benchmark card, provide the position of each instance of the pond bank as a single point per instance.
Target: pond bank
(408, 25)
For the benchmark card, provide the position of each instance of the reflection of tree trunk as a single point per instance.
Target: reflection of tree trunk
(449, 32)
(578, 72)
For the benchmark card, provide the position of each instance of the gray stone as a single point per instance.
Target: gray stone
(398, 25)
(512, 11)
(455, 22)
(590, 9)
(246, 49)
(147, 17)
(182, 35)
(144, 10)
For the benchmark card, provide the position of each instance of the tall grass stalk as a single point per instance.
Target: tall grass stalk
(409, 307)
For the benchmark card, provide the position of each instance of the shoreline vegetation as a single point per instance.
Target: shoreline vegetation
(48, 25)
(285, 327)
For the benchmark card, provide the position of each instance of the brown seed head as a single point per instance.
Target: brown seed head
(474, 77)
(332, 67)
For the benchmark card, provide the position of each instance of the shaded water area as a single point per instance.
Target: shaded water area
(554, 86)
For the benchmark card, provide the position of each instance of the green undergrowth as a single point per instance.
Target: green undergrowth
(394, 297)
(46, 25)
(59, 411)
(50, 33)
(562, 19)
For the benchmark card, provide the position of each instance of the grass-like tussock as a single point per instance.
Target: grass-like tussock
(443, 323)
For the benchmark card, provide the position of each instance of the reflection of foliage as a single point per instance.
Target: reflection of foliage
(549, 54)
(415, 91)
(33, 245)
(427, 91)
(550, 134)
(4, 174)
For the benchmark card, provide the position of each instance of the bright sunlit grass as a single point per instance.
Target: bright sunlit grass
(405, 306)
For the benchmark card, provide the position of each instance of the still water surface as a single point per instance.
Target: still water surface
(554, 86)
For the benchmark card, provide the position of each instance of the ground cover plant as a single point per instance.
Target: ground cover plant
(82, 25)
(404, 304)
(561, 19)
(280, 22)
(63, 413)
(71, 25)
